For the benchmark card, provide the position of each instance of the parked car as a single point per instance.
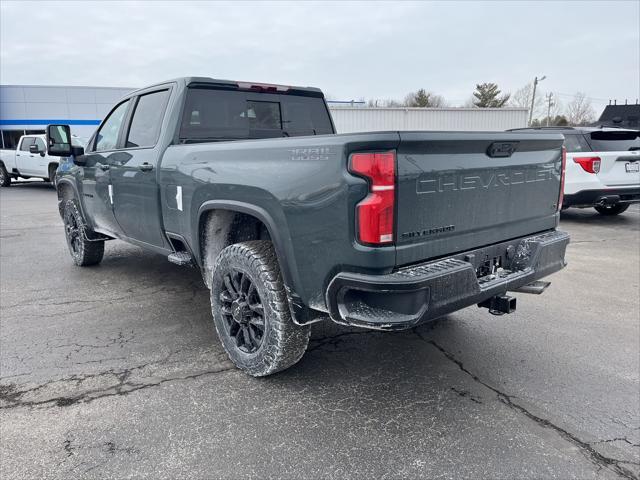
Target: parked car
(603, 167)
(292, 224)
(29, 159)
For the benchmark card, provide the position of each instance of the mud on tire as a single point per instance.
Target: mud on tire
(251, 312)
(83, 252)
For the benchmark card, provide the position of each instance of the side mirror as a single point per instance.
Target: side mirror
(59, 140)
(34, 149)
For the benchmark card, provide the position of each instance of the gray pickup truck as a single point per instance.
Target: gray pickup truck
(381, 230)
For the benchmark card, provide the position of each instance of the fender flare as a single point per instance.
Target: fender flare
(90, 234)
(289, 274)
(66, 182)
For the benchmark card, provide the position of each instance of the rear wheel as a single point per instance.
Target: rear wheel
(83, 252)
(5, 179)
(251, 312)
(610, 210)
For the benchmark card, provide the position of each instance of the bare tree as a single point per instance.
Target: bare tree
(377, 102)
(469, 102)
(522, 98)
(579, 110)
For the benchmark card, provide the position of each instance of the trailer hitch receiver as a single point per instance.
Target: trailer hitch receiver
(499, 304)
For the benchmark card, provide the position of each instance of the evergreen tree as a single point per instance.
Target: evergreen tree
(488, 96)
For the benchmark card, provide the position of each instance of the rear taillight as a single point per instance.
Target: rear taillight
(588, 164)
(562, 175)
(375, 213)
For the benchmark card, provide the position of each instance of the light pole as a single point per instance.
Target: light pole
(533, 97)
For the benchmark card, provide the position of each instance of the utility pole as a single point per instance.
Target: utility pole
(533, 97)
(549, 105)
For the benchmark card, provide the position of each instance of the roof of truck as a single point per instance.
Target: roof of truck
(570, 130)
(234, 84)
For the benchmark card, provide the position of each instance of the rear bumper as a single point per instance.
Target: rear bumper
(424, 292)
(609, 196)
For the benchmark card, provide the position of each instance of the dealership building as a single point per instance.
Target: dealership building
(30, 108)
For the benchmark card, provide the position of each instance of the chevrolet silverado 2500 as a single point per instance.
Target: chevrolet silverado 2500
(290, 223)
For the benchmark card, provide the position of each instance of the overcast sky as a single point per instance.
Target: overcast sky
(350, 50)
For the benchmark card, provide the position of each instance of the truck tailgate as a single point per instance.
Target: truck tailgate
(461, 190)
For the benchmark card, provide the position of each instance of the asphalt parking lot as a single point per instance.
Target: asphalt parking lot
(115, 371)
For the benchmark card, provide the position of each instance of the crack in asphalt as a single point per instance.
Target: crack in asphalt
(618, 439)
(335, 340)
(9, 394)
(124, 386)
(593, 455)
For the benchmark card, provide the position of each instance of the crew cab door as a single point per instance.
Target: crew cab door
(26, 162)
(102, 155)
(134, 176)
(41, 160)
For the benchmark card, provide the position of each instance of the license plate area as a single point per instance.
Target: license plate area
(632, 167)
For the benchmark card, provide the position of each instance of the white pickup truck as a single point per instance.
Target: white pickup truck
(29, 160)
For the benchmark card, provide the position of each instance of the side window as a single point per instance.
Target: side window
(575, 143)
(147, 119)
(107, 137)
(26, 143)
(40, 144)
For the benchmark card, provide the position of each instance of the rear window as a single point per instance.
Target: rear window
(615, 141)
(211, 114)
(576, 143)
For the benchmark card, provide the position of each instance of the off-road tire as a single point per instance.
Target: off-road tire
(83, 252)
(611, 210)
(282, 343)
(5, 179)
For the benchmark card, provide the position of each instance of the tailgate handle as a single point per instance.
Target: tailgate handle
(501, 149)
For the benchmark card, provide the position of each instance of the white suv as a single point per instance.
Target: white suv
(603, 167)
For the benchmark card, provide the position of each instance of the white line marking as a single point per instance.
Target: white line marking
(111, 193)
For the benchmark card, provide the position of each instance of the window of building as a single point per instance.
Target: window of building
(10, 138)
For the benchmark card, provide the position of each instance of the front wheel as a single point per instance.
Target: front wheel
(5, 179)
(610, 210)
(83, 252)
(251, 312)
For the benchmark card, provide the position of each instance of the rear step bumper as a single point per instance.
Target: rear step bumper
(424, 292)
(609, 196)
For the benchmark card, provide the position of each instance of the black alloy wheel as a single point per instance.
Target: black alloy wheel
(242, 311)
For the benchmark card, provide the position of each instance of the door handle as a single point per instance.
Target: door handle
(104, 168)
(146, 167)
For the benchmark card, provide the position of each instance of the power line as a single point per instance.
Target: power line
(576, 94)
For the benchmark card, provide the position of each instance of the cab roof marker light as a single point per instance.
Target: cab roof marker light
(263, 87)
